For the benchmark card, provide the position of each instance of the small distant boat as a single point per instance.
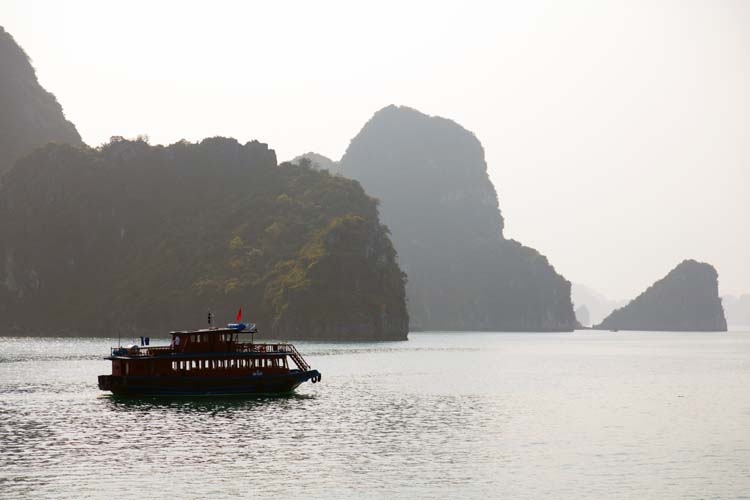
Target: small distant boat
(207, 362)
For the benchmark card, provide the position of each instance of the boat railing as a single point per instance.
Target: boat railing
(141, 351)
(278, 348)
(253, 347)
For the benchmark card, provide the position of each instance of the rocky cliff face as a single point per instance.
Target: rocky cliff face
(431, 178)
(30, 116)
(686, 299)
(137, 238)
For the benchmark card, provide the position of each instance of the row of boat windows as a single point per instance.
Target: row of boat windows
(202, 338)
(224, 364)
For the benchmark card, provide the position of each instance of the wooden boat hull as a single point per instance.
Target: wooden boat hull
(180, 386)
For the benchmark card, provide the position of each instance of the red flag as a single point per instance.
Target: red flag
(239, 315)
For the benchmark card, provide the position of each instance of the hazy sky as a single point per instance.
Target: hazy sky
(616, 132)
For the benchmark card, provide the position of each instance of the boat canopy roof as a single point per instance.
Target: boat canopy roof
(231, 328)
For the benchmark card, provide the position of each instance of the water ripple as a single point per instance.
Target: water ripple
(483, 416)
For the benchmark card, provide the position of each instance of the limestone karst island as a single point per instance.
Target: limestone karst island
(402, 233)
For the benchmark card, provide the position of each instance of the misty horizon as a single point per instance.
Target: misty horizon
(614, 135)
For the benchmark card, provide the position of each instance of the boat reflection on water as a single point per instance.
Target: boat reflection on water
(188, 405)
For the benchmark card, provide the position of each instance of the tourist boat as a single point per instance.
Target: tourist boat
(207, 362)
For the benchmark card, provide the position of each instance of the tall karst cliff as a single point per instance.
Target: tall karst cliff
(686, 299)
(430, 176)
(29, 115)
(134, 238)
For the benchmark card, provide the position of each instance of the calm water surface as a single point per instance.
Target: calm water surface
(471, 415)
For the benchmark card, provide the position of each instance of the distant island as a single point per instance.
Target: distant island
(737, 309)
(134, 238)
(318, 162)
(430, 176)
(686, 299)
(595, 304)
(583, 316)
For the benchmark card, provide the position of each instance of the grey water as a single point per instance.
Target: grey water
(637, 415)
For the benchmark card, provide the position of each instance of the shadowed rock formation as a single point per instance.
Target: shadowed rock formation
(29, 115)
(132, 238)
(686, 299)
(430, 176)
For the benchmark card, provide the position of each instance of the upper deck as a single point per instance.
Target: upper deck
(208, 343)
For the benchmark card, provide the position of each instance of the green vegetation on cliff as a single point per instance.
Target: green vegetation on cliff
(686, 299)
(29, 115)
(137, 238)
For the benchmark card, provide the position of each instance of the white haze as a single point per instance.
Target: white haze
(616, 132)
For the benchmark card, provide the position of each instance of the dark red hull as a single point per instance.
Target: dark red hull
(250, 385)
